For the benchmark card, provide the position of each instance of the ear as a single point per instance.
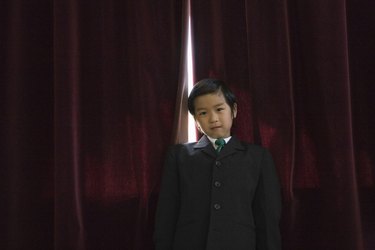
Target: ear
(234, 110)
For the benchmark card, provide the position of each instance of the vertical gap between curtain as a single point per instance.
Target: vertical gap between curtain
(180, 133)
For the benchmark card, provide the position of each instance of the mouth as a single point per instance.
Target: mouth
(216, 127)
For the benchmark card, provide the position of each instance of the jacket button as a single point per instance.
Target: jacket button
(217, 184)
(218, 163)
(217, 206)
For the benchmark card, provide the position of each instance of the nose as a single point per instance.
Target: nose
(213, 117)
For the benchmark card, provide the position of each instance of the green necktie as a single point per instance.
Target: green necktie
(220, 144)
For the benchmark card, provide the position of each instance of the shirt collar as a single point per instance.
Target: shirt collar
(212, 140)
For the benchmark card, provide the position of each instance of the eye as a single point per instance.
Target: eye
(220, 109)
(202, 113)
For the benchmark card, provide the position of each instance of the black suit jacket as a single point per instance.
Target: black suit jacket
(229, 201)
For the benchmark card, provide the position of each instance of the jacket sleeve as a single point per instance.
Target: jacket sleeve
(267, 206)
(168, 204)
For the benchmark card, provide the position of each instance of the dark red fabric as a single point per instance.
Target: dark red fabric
(88, 93)
(89, 101)
(26, 125)
(304, 82)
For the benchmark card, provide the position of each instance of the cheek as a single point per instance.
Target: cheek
(198, 124)
(229, 118)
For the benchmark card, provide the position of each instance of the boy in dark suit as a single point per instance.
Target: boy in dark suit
(218, 193)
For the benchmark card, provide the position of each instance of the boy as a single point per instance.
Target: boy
(217, 193)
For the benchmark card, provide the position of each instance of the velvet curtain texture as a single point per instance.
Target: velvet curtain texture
(88, 93)
(304, 74)
(91, 96)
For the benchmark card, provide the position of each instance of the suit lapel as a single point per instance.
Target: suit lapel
(205, 145)
(234, 145)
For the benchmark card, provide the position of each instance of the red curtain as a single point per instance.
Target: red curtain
(90, 100)
(88, 93)
(303, 74)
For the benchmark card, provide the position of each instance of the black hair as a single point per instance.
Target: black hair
(209, 86)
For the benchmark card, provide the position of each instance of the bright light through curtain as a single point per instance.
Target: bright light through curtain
(93, 92)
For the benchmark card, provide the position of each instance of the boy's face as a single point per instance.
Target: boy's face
(213, 116)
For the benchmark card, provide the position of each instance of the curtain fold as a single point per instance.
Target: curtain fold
(68, 186)
(26, 152)
(92, 93)
(292, 65)
(88, 100)
(129, 56)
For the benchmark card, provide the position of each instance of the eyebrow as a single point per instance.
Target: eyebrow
(201, 109)
(217, 105)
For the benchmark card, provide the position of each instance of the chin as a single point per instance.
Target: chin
(216, 136)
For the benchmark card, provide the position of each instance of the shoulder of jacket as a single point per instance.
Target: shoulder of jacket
(182, 146)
